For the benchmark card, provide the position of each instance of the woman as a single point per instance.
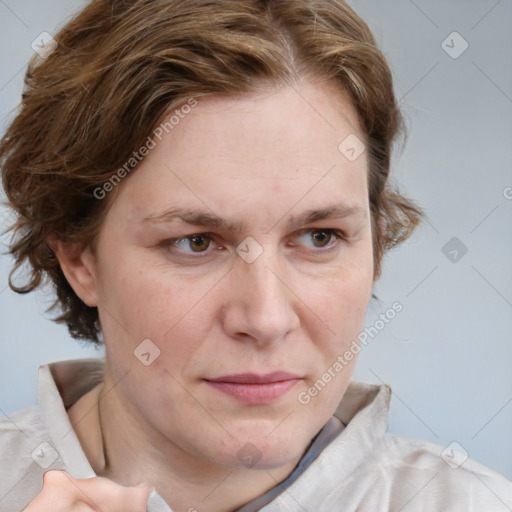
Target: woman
(206, 186)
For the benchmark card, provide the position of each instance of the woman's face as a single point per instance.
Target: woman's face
(241, 248)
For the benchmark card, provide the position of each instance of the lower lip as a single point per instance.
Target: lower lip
(255, 393)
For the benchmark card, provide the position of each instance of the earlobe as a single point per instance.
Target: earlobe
(78, 266)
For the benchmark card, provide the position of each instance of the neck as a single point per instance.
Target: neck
(121, 445)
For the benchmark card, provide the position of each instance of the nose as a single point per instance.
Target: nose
(260, 306)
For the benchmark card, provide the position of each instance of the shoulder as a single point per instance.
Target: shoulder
(422, 474)
(367, 468)
(26, 453)
(401, 474)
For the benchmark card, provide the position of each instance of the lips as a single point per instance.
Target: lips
(254, 388)
(253, 378)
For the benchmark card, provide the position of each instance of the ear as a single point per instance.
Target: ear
(78, 265)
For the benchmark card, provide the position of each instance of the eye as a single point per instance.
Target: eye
(198, 243)
(319, 238)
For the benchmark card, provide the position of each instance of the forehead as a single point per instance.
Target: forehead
(262, 153)
(298, 123)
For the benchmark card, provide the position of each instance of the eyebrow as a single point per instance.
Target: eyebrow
(331, 212)
(209, 219)
(196, 217)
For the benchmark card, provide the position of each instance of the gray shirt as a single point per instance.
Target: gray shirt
(357, 468)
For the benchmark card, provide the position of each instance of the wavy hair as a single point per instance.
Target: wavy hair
(120, 66)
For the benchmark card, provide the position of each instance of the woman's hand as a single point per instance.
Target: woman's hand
(62, 493)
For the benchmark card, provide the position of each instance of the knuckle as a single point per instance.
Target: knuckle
(55, 477)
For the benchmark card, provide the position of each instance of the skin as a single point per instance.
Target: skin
(262, 162)
(61, 493)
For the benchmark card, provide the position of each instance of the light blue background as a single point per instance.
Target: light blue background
(448, 354)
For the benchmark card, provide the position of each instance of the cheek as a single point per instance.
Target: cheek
(341, 303)
(340, 300)
(141, 297)
(154, 303)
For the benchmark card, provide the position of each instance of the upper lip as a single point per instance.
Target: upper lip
(254, 378)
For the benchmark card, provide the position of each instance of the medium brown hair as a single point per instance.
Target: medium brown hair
(121, 66)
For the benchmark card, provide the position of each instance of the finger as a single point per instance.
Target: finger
(103, 494)
(57, 493)
(63, 493)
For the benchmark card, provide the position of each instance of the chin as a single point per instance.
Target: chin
(264, 452)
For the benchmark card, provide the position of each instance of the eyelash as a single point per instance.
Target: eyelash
(337, 236)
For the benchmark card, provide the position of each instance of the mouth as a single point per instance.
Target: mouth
(252, 388)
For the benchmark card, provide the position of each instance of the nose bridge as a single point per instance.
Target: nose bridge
(261, 307)
(265, 288)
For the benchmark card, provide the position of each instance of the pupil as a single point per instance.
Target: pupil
(321, 238)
